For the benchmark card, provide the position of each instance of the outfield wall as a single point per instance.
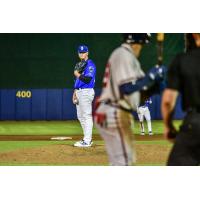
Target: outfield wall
(45, 60)
(53, 104)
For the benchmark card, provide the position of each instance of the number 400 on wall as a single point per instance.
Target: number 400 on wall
(23, 94)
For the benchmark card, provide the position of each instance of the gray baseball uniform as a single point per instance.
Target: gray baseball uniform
(114, 123)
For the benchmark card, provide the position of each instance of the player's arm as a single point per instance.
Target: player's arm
(85, 78)
(170, 96)
(144, 83)
(89, 73)
(167, 107)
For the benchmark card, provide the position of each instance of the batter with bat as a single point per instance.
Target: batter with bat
(83, 94)
(123, 83)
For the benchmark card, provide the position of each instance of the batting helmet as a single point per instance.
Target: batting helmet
(137, 38)
(82, 49)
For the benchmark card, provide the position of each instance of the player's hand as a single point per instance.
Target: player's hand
(80, 66)
(157, 73)
(170, 133)
(75, 101)
(74, 98)
(77, 74)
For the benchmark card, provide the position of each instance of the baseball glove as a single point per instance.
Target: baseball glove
(80, 66)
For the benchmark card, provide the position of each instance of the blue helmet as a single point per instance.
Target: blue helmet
(82, 49)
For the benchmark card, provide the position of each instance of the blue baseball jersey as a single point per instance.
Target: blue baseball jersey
(90, 70)
(147, 103)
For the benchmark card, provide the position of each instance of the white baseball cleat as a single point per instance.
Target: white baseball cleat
(150, 133)
(142, 133)
(82, 143)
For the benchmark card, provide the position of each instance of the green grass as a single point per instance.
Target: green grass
(40, 128)
(60, 127)
(157, 126)
(6, 146)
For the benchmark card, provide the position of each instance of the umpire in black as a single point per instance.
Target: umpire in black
(184, 78)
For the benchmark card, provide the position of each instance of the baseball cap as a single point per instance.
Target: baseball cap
(82, 49)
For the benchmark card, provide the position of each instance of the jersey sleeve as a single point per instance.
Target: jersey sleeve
(174, 74)
(126, 69)
(90, 71)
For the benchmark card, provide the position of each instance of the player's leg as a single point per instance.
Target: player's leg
(112, 143)
(88, 97)
(79, 110)
(118, 153)
(148, 119)
(141, 120)
(118, 141)
(124, 121)
(109, 133)
(142, 128)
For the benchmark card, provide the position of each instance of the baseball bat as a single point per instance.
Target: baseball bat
(160, 42)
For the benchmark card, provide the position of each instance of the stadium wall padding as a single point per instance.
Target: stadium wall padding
(47, 60)
(55, 104)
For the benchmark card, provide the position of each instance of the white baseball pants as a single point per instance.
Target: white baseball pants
(84, 111)
(144, 112)
(117, 134)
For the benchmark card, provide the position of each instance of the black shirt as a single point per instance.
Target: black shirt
(184, 76)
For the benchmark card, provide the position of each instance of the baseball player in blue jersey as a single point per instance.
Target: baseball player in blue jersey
(83, 95)
(143, 111)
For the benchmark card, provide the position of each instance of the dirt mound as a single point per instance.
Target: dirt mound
(152, 154)
(62, 154)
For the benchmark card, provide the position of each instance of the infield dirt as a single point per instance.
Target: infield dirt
(65, 154)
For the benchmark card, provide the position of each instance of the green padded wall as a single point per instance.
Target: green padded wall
(47, 60)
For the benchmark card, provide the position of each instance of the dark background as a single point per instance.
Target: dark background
(47, 60)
